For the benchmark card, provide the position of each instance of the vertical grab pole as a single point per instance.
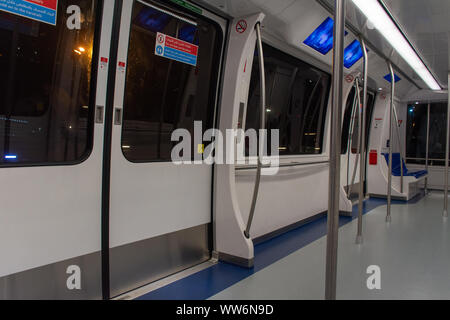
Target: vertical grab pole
(335, 153)
(401, 154)
(262, 127)
(362, 168)
(391, 111)
(350, 138)
(427, 148)
(445, 213)
(400, 146)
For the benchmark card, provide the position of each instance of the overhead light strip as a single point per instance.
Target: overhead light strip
(381, 20)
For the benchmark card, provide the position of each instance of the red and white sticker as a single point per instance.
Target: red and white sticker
(103, 63)
(378, 122)
(241, 26)
(121, 66)
(176, 49)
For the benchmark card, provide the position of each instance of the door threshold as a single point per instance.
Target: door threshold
(139, 292)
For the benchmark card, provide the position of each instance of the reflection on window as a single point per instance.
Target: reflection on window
(163, 95)
(347, 121)
(297, 98)
(45, 88)
(346, 126)
(416, 133)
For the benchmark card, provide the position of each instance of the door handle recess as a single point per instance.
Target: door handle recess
(117, 116)
(99, 111)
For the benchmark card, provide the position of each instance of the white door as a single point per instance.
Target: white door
(161, 213)
(51, 150)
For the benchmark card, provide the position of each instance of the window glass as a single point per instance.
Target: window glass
(297, 98)
(370, 106)
(163, 95)
(45, 87)
(438, 129)
(416, 133)
(347, 122)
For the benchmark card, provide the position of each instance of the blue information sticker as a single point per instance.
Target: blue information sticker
(176, 49)
(39, 10)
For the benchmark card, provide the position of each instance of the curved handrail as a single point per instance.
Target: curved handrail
(262, 127)
(358, 142)
(363, 160)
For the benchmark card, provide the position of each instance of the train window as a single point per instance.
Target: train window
(45, 88)
(349, 106)
(347, 121)
(416, 133)
(297, 98)
(370, 107)
(161, 94)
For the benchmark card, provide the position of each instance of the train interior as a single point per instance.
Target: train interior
(93, 205)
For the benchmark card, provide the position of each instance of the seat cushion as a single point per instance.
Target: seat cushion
(396, 167)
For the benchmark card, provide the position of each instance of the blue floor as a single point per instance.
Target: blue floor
(206, 283)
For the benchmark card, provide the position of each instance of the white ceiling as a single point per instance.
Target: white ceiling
(427, 25)
(426, 22)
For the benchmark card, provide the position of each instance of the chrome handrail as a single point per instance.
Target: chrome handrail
(262, 127)
(284, 165)
(391, 111)
(427, 148)
(362, 168)
(400, 146)
(358, 146)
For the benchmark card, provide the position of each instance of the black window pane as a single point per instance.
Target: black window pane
(163, 95)
(416, 131)
(347, 121)
(438, 129)
(297, 98)
(45, 88)
(346, 125)
(369, 112)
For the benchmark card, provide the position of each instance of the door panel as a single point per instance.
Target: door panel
(51, 153)
(160, 213)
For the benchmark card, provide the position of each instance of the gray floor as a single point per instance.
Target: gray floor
(413, 253)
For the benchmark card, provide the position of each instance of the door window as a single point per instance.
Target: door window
(46, 94)
(164, 94)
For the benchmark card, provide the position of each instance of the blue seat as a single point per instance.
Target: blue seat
(396, 167)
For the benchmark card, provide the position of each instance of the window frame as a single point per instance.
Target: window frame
(176, 9)
(92, 102)
(422, 161)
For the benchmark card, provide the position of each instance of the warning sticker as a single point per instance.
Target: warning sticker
(39, 10)
(175, 49)
(378, 123)
(241, 26)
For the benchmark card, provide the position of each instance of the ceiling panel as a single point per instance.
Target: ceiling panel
(292, 21)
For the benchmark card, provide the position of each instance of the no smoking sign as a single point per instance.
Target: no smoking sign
(241, 26)
(161, 38)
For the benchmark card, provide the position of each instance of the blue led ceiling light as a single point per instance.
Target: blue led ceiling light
(10, 157)
(187, 33)
(321, 39)
(152, 19)
(388, 78)
(352, 54)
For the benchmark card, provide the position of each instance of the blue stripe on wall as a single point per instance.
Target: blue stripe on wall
(208, 282)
